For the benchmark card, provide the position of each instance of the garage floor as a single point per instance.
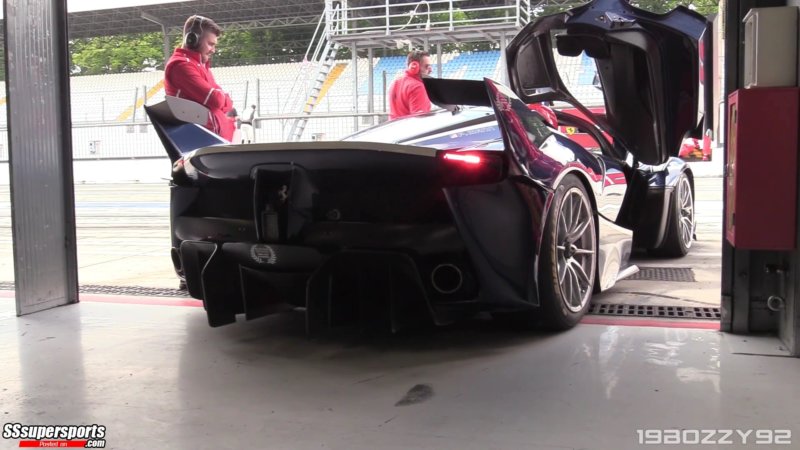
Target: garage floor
(157, 376)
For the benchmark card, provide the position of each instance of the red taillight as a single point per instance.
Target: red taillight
(459, 168)
(469, 159)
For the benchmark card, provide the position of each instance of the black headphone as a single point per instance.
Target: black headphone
(192, 37)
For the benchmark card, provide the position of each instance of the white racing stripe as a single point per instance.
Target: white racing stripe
(209, 95)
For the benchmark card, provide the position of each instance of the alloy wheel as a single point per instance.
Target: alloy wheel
(686, 212)
(576, 246)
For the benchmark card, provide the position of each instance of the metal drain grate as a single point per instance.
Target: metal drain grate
(119, 290)
(681, 274)
(133, 290)
(670, 312)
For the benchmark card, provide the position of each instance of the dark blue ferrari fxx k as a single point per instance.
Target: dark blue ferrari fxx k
(481, 208)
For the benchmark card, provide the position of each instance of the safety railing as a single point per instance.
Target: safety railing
(108, 105)
(391, 17)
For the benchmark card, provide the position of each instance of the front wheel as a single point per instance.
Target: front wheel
(681, 222)
(567, 263)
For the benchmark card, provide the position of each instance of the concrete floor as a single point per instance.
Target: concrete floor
(159, 377)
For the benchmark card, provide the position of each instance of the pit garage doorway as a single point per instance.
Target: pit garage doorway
(670, 297)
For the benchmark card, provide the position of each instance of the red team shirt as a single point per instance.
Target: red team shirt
(186, 76)
(408, 96)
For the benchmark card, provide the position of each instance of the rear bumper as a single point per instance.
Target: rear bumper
(256, 246)
(382, 286)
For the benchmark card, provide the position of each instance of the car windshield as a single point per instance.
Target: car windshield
(407, 128)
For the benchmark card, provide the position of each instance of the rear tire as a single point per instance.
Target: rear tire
(568, 259)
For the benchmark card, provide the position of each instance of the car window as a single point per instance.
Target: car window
(537, 131)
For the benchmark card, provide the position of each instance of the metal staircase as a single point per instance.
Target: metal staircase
(306, 89)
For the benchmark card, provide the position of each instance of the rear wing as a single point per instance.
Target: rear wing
(180, 124)
(449, 92)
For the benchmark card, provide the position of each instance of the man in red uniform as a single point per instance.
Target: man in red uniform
(407, 95)
(188, 74)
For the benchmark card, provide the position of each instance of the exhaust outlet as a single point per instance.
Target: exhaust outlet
(446, 278)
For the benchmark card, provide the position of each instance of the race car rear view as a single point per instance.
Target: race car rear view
(438, 216)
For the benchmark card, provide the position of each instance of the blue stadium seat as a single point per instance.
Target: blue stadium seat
(392, 65)
(587, 70)
(472, 66)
